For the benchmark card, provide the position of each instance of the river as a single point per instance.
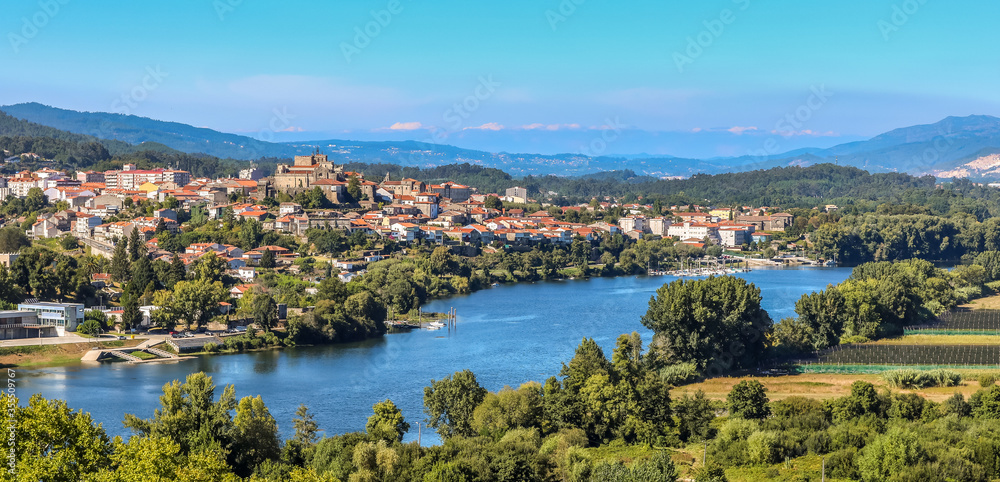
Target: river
(506, 335)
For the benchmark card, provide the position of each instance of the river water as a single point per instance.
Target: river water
(506, 335)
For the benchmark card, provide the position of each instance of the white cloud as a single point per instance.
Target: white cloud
(806, 132)
(739, 130)
(490, 126)
(549, 127)
(406, 126)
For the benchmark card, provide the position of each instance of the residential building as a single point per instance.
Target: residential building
(517, 195)
(62, 316)
(15, 324)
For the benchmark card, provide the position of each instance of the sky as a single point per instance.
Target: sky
(514, 71)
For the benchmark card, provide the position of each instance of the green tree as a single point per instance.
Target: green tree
(12, 239)
(493, 202)
(509, 409)
(178, 272)
(54, 443)
(210, 267)
(890, 454)
(131, 315)
(133, 244)
(267, 259)
(120, 271)
(255, 435)
(387, 423)
(193, 301)
(694, 414)
(450, 403)
(305, 426)
(588, 361)
(748, 399)
(260, 307)
(717, 323)
(69, 242)
(142, 274)
(160, 459)
(250, 234)
(354, 188)
(190, 416)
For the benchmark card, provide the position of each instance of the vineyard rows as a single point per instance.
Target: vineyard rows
(947, 355)
(961, 320)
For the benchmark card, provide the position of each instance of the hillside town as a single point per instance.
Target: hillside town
(103, 209)
(403, 210)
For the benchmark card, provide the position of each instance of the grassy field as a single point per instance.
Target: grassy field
(143, 355)
(987, 303)
(941, 340)
(52, 355)
(824, 385)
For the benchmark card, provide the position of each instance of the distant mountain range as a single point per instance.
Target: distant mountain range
(954, 147)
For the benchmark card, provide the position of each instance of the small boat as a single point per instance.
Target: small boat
(435, 325)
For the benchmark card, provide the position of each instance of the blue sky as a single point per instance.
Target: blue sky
(550, 65)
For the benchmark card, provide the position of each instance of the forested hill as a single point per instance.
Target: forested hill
(787, 186)
(71, 151)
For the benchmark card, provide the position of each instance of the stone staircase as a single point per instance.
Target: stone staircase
(161, 353)
(124, 356)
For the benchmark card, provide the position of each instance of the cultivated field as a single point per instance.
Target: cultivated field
(826, 385)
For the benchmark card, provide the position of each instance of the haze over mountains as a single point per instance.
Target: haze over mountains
(954, 147)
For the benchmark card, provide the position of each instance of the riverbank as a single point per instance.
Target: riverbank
(39, 356)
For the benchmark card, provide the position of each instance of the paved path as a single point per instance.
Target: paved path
(52, 340)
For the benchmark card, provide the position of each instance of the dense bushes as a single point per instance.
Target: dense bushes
(878, 300)
(911, 378)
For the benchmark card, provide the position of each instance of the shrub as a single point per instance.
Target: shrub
(89, 327)
(914, 379)
(679, 374)
(763, 447)
(841, 464)
(853, 340)
(211, 348)
(986, 381)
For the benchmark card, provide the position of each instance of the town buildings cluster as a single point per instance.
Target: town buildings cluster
(405, 210)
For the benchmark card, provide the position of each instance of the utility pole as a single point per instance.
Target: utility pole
(418, 437)
(823, 473)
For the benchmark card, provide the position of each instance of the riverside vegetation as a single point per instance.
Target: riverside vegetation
(600, 419)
